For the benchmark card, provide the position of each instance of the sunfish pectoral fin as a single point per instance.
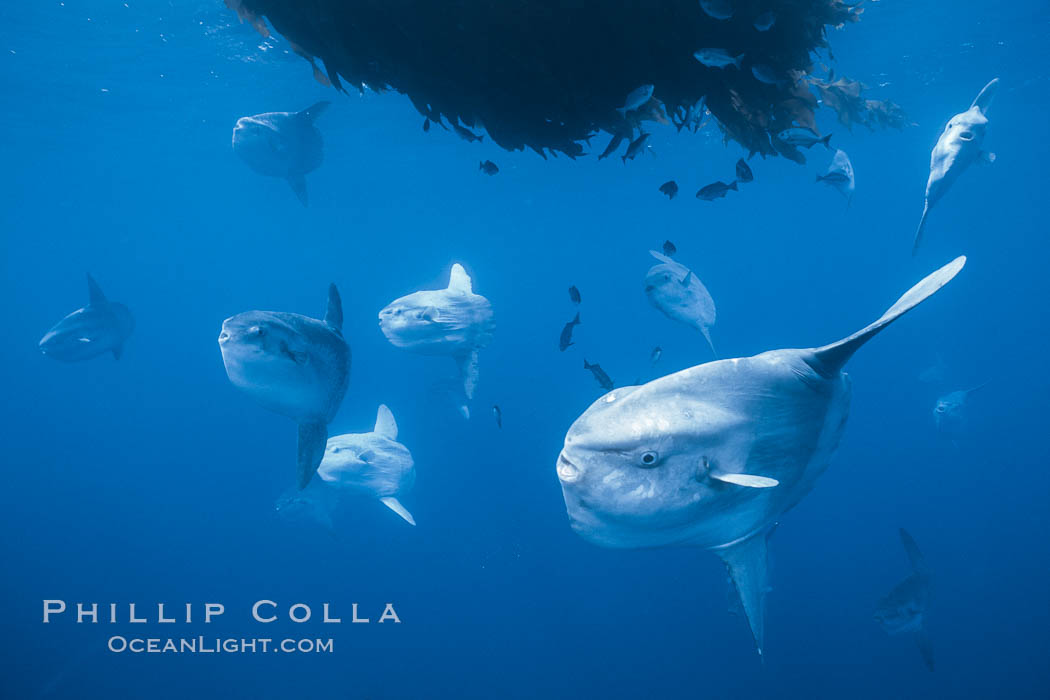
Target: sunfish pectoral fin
(746, 562)
(333, 314)
(95, 295)
(468, 371)
(832, 358)
(312, 440)
(385, 423)
(921, 228)
(752, 481)
(987, 94)
(395, 505)
(922, 640)
(459, 280)
(297, 182)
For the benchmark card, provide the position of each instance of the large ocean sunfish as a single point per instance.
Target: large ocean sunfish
(957, 148)
(294, 365)
(100, 327)
(712, 456)
(452, 321)
(282, 144)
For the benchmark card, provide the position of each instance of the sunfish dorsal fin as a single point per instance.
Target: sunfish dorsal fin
(833, 357)
(459, 280)
(984, 100)
(747, 566)
(333, 314)
(95, 295)
(385, 423)
(918, 562)
(311, 113)
(395, 505)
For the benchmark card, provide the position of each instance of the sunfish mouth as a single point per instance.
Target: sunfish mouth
(568, 472)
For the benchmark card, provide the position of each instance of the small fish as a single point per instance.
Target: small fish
(654, 356)
(599, 375)
(498, 414)
(488, 167)
(574, 294)
(715, 190)
(426, 124)
(614, 143)
(765, 74)
(638, 97)
(635, 147)
(743, 171)
(719, 9)
(765, 21)
(717, 58)
(803, 138)
(669, 248)
(670, 188)
(466, 134)
(566, 333)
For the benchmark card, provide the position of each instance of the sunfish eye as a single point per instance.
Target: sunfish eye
(257, 331)
(649, 460)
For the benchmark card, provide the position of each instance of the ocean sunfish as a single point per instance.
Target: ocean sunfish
(840, 175)
(374, 464)
(676, 291)
(957, 148)
(294, 365)
(100, 327)
(714, 455)
(282, 144)
(903, 610)
(949, 413)
(452, 321)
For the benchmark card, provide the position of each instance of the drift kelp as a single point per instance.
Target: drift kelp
(548, 75)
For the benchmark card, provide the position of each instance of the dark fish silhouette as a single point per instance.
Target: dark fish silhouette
(670, 188)
(654, 356)
(574, 294)
(488, 167)
(466, 134)
(669, 248)
(498, 415)
(635, 147)
(743, 171)
(614, 143)
(600, 375)
(426, 124)
(904, 608)
(566, 333)
(715, 190)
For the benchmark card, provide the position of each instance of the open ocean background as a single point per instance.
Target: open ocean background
(153, 479)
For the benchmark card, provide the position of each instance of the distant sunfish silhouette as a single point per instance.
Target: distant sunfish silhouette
(904, 608)
(282, 144)
(452, 321)
(293, 365)
(957, 148)
(949, 413)
(714, 455)
(675, 290)
(100, 327)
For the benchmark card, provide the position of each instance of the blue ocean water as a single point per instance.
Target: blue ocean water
(152, 479)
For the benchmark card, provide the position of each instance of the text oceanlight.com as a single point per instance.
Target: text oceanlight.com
(203, 645)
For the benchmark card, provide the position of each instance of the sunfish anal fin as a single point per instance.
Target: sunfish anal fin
(95, 295)
(468, 371)
(297, 181)
(922, 639)
(395, 505)
(333, 314)
(747, 564)
(312, 440)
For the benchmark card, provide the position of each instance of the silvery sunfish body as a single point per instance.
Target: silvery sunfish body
(453, 321)
(840, 175)
(949, 413)
(282, 144)
(957, 148)
(100, 327)
(293, 365)
(713, 456)
(904, 608)
(676, 291)
(374, 464)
